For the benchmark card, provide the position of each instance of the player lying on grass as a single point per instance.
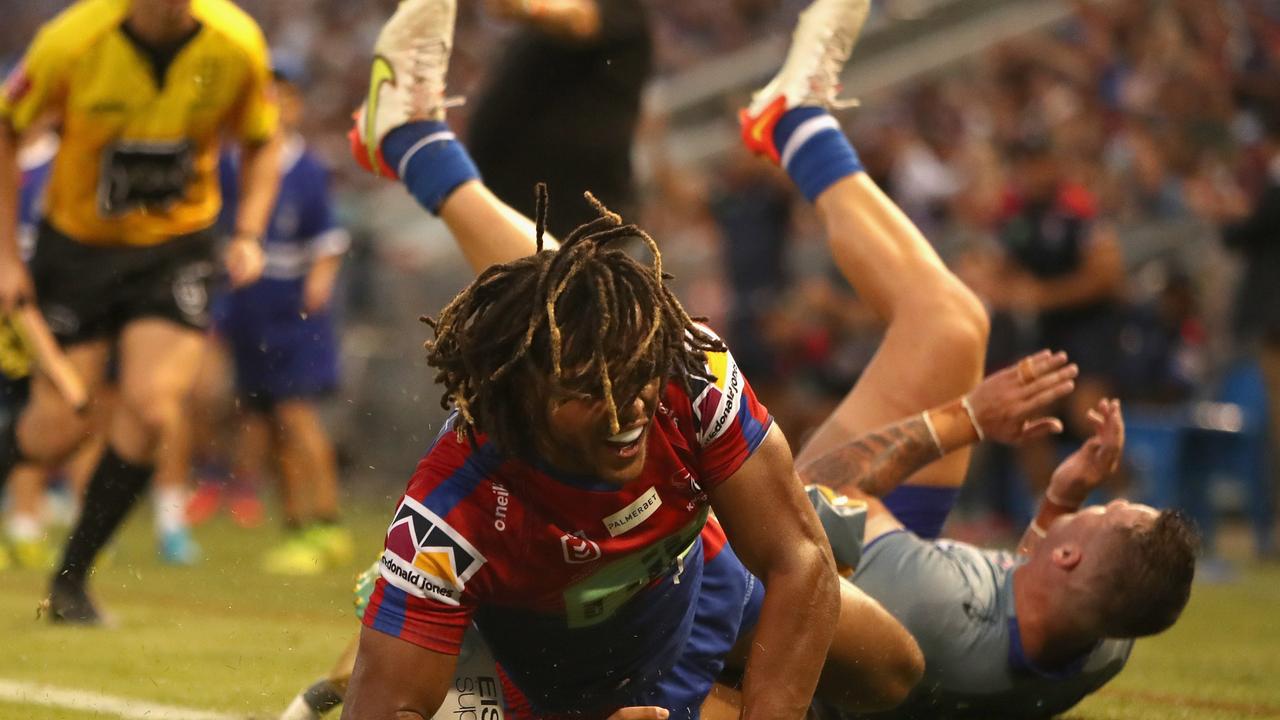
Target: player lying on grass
(564, 506)
(1003, 635)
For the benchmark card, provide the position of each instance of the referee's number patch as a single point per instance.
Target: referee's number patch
(144, 175)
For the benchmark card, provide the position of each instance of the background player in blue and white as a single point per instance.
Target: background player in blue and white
(281, 335)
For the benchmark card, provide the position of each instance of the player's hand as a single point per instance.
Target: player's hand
(316, 293)
(1087, 468)
(642, 712)
(15, 284)
(1008, 405)
(244, 260)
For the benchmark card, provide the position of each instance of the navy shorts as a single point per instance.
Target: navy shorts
(91, 292)
(728, 608)
(278, 356)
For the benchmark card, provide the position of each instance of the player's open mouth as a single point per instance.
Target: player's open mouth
(627, 443)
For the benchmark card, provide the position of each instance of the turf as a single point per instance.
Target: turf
(223, 636)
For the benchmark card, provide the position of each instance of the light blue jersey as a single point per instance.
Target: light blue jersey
(957, 601)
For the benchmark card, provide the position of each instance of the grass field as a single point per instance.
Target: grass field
(224, 637)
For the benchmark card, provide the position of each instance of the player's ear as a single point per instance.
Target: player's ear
(1067, 556)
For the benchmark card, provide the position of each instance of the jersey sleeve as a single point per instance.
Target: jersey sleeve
(729, 422)
(38, 83)
(257, 114)
(319, 226)
(428, 560)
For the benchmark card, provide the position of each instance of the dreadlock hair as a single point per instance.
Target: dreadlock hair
(584, 319)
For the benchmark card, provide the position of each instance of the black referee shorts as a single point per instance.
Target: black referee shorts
(89, 292)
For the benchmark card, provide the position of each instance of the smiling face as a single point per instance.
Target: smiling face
(579, 437)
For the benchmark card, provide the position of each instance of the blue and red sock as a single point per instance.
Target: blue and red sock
(429, 161)
(815, 152)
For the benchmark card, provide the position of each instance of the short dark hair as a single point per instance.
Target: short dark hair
(588, 318)
(1151, 577)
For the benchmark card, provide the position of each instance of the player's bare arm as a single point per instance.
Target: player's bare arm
(15, 282)
(1081, 473)
(1006, 407)
(260, 178)
(396, 680)
(775, 531)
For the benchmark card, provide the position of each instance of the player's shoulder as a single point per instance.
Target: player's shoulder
(235, 26)
(455, 472)
(442, 530)
(715, 397)
(78, 27)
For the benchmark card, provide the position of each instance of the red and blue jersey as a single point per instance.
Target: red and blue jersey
(584, 591)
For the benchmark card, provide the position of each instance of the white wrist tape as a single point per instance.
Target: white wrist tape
(933, 433)
(973, 418)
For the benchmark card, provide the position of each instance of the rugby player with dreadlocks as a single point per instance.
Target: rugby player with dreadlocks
(564, 507)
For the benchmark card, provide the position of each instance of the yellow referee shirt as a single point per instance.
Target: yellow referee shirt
(139, 156)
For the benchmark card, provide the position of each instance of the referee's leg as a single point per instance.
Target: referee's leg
(158, 363)
(47, 429)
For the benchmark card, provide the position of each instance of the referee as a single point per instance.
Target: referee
(144, 91)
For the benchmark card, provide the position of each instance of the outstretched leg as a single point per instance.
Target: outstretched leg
(400, 133)
(936, 334)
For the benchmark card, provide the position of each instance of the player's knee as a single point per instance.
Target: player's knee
(904, 672)
(881, 674)
(970, 316)
(155, 413)
(293, 415)
(960, 323)
(48, 434)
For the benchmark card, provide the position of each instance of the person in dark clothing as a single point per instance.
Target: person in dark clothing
(1064, 269)
(752, 211)
(582, 64)
(1253, 231)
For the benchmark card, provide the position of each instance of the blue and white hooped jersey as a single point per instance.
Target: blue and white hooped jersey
(303, 227)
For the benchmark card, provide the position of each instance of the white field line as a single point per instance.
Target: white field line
(86, 701)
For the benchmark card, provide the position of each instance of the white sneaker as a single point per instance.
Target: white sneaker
(820, 46)
(406, 82)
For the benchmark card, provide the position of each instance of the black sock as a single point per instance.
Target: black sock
(115, 488)
(10, 453)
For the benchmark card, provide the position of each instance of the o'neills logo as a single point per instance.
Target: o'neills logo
(633, 514)
(425, 556)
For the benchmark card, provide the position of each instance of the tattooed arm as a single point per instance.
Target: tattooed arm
(876, 463)
(1005, 407)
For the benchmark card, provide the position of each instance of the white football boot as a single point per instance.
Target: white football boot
(407, 78)
(820, 46)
